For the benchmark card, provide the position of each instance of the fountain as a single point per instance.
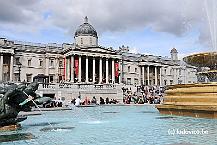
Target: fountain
(197, 100)
(15, 98)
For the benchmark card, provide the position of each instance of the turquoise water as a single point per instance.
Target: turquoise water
(114, 125)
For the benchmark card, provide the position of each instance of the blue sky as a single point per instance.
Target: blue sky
(146, 26)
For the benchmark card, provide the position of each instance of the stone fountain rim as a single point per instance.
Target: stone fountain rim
(191, 85)
(188, 59)
(202, 53)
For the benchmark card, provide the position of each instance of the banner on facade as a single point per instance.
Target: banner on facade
(76, 67)
(116, 69)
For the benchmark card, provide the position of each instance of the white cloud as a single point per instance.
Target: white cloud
(172, 16)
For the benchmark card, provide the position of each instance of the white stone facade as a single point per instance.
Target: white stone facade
(96, 64)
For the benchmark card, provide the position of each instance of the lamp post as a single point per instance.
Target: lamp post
(19, 70)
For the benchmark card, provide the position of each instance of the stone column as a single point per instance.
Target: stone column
(65, 67)
(120, 77)
(47, 66)
(68, 69)
(11, 68)
(143, 75)
(100, 69)
(155, 75)
(174, 76)
(1, 67)
(57, 70)
(113, 71)
(86, 78)
(94, 69)
(72, 69)
(106, 71)
(79, 68)
(148, 75)
(140, 75)
(160, 76)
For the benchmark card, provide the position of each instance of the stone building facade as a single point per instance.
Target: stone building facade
(86, 62)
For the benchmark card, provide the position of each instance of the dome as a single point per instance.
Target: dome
(86, 29)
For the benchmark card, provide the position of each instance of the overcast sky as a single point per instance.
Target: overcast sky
(146, 26)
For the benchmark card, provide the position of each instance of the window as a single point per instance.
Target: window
(29, 62)
(136, 81)
(16, 77)
(171, 82)
(165, 82)
(180, 72)
(17, 60)
(60, 63)
(128, 68)
(51, 78)
(29, 77)
(128, 81)
(40, 62)
(90, 41)
(81, 41)
(60, 78)
(52, 63)
(171, 71)
(135, 69)
(165, 71)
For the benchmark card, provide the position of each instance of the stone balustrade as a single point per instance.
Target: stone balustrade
(76, 86)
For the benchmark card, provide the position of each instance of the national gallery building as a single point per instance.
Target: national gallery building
(86, 62)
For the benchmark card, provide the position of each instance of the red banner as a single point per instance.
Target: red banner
(116, 69)
(76, 67)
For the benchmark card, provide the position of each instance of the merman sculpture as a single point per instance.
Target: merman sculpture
(15, 98)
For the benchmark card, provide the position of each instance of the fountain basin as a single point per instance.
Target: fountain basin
(195, 100)
(204, 59)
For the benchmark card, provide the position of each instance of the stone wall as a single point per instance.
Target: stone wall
(68, 91)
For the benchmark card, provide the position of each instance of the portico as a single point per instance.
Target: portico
(151, 75)
(6, 64)
(92, 68)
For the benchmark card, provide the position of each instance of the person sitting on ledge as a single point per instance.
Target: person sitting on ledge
(107, 101)
(102, 101)
(93, 101)
(78, 101)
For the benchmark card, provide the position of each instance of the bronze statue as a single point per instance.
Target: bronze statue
(15, 98)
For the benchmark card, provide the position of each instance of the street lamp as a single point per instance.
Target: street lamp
(19, 70)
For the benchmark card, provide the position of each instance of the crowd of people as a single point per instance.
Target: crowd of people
(93, 101)
(53, 103)
(143, 94)
(138, 95)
